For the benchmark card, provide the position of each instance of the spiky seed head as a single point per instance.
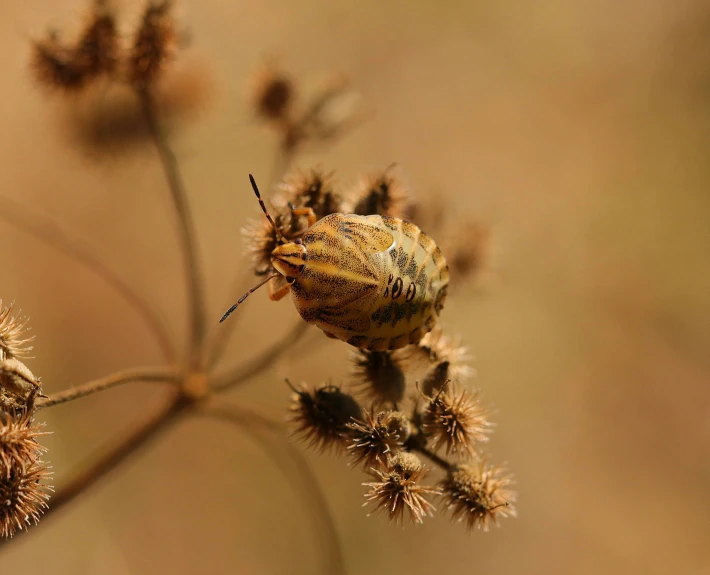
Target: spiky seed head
(442, 356)
(311, 189)
(56, 65)
(272, 93)
(155, 44)
(98, 47)
(13, 333)
(379, 375)
(456, 419)
(398, 489)
(261, 238)
(321, 416)
(381, 194)
(478, 494)
(23, 475)
(378, 436)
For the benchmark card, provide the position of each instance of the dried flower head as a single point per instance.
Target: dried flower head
(478, 494)
(154, 45)
(97, 50)
(378, 436)
(456, 419)
(272, 93)
(18, 386)
(23, 495)
(55, 65)
(446, 360)
(381, 194)
(13, 330)
(466, 254)
(311, 189)
(321, 416)
(398, 489)
(18, 441)
(380, 375)
(261, 239)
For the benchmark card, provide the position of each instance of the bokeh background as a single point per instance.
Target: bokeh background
(578, 130)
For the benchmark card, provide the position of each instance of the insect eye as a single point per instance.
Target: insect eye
(298, 241)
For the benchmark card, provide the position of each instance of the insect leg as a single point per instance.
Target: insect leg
(277, 294)
(308, 212)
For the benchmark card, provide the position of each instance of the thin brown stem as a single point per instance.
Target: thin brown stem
(236, 376)
(112, 457)
(188, 244)
(298, 473)
(433, 457)
(119, 378)
(49, 231)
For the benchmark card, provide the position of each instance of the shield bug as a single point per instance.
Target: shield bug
(375, 282)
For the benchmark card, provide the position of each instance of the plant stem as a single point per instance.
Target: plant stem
(49, 231)
(127, 376)
(440, 461)
(188, 245)
(242, 373)
(298, 474)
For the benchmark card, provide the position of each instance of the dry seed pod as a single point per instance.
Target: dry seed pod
(154, 45)
(97, 50)
(18, 386)
(381, 194)
(13, 342)
(377, 437)
(272, 93)
(379, 376)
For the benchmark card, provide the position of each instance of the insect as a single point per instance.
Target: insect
(375, 282)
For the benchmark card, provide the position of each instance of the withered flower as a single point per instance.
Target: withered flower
(378, 436)
(379, 375)
(381, 194)
(321, 416)
(97, 50)
(23, 491)
(478, 494)
(272, 93)
(467, 252)
(311, 189)
(154, 45)
(456, 419)
(56, 65)
(13, 330)
(398, 489)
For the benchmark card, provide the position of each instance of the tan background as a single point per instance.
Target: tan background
(578, 130)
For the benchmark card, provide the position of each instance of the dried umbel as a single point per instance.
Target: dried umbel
(456, 420)
(478, 494)
(322, 416)
(399, 489)
(13, 333)
(23, 475)
(377, 437)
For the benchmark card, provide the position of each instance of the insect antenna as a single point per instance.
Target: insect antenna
(246, 295)
(263, 207)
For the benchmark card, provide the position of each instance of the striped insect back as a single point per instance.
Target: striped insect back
(376, 282)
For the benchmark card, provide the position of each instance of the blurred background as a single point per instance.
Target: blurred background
(578, 131)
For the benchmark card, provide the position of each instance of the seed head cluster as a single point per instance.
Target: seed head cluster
(98, 51)
(23, 474)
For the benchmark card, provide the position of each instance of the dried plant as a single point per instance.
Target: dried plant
(384, 427)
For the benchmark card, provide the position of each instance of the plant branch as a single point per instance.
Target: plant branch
(234, 377)
(431, 456)
(188, 244)
(50, 232)
(112, 457)
(106, 382)
(298, 473)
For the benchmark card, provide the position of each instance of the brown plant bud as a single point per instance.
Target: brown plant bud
(154, 45)
(379, 375)
(321, 416)
(13, 329)
(311, 189)
(398, 489)
(381, 194)
(445, 358)
(56, 65)
(467, 252)
(272, 93)
(375, 438)
(478, 494)
(23, 493)
(97, 50)
(261, 238)
(456, 419)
